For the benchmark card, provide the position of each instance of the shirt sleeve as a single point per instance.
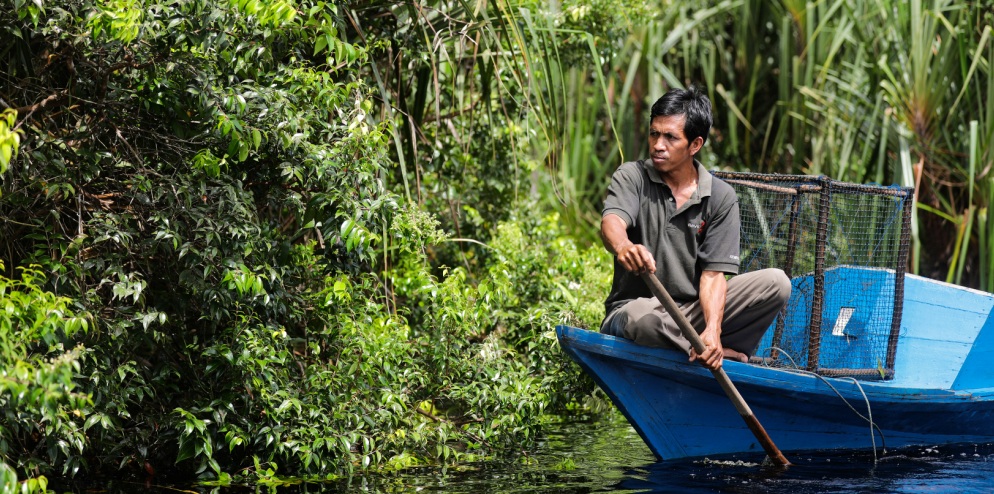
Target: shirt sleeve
(719, 250)
(623, 193)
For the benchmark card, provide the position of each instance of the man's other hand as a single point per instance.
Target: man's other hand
(713, 351)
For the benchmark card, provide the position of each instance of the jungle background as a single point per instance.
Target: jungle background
(248, 240)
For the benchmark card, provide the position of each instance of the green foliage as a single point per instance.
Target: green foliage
(274, 297)
(202, 181)
(212, 182)
(10, 138)
(40, 422)
(28, 8)
(534, 278)
(321, 238)
(473, 91)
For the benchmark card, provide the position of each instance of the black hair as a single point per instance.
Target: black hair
(690, 102)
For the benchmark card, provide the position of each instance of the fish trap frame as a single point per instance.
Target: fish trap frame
(845, 247)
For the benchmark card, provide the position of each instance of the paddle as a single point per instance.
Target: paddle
(726, 384)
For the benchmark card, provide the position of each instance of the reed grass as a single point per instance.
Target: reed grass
(860, 90)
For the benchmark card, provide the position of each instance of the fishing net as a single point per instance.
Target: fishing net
(845, 247)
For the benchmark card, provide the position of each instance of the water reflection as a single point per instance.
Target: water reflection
(967, 469)
(581, 455)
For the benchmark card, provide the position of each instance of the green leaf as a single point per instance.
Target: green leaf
(92, 419)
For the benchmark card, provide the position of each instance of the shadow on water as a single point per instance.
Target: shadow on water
(580, 456)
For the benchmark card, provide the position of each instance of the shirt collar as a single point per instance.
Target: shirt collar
(703, 177)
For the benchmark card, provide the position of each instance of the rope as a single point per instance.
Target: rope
(869, 411)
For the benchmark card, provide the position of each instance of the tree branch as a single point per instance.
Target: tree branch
(52, 99)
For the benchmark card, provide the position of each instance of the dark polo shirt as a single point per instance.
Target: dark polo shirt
(681, 246)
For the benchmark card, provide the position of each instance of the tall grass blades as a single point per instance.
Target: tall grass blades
(860, 90)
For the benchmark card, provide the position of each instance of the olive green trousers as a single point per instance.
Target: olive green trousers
(752, 302)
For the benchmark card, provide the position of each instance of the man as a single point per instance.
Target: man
(667, 215)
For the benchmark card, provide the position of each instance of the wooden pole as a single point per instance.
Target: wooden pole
(726, 384)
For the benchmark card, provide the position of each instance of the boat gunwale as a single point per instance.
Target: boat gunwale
(798, 380)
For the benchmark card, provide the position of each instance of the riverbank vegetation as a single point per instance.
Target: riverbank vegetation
(262, 238)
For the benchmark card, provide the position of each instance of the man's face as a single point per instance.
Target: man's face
(668, 146)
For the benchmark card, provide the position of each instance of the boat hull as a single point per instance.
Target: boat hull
(680, 411)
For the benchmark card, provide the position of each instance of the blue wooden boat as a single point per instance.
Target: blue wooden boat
(863, 357)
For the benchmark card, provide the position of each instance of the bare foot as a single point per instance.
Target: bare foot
(734, 355)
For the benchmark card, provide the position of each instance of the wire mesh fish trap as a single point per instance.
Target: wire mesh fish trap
(845, 247)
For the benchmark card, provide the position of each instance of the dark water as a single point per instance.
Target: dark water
(608, 455)
(580, 456)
